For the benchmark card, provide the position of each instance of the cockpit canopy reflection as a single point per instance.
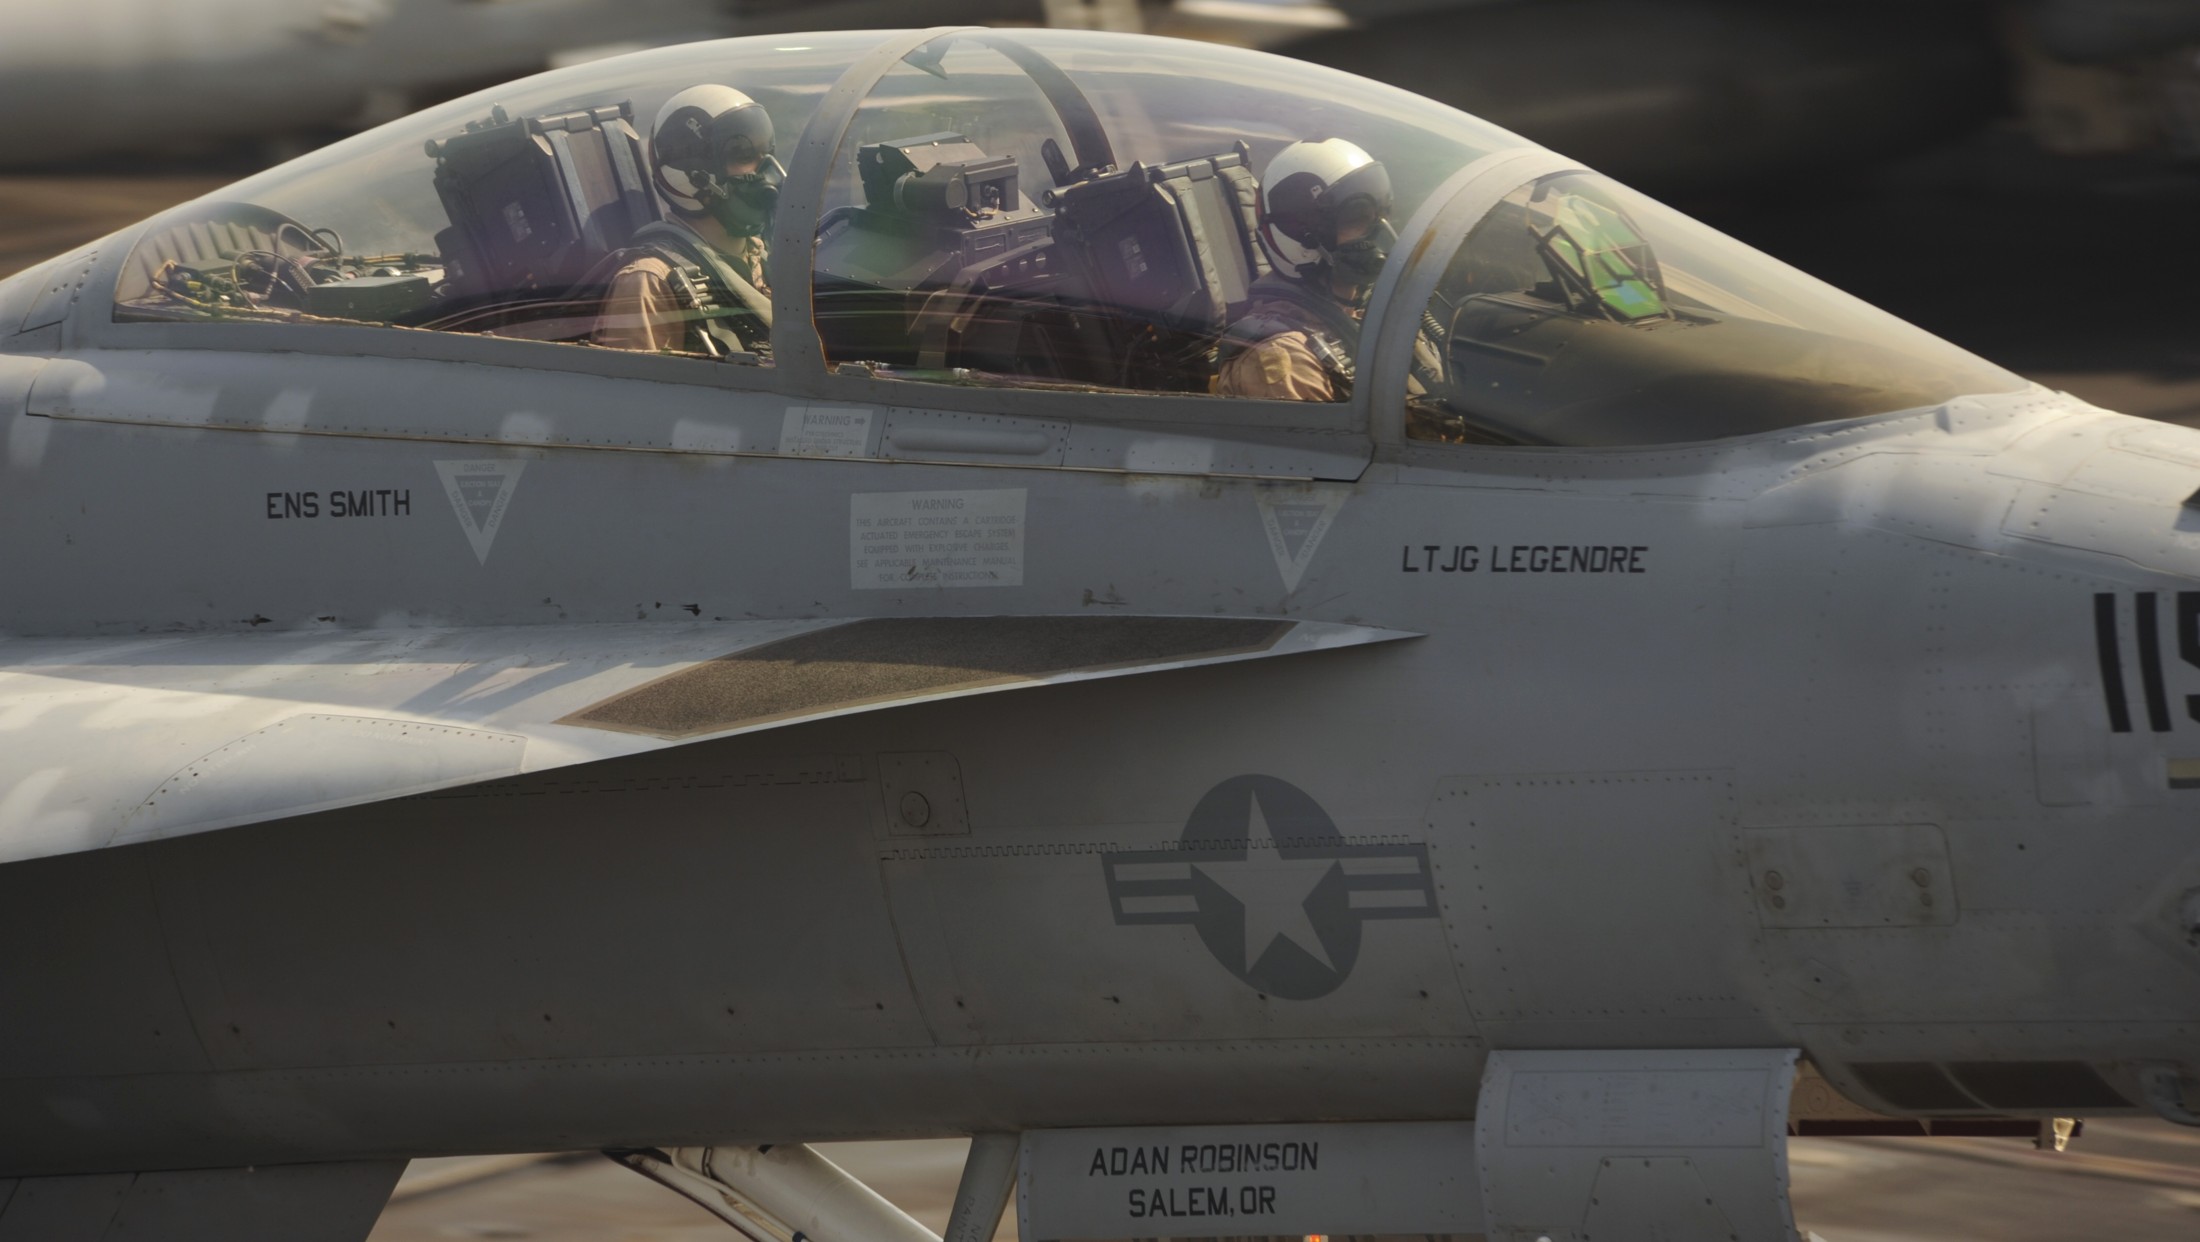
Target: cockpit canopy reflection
(1582, 313)
(1065, 212)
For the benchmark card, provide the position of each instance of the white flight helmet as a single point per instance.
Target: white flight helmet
(699, 132)
(1311, 191)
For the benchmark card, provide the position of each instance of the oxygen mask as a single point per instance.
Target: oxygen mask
(1358, 262)
(743, 204)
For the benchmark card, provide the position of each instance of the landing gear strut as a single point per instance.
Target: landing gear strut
(788, 1193)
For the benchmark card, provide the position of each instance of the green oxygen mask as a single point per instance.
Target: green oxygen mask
(743, 204)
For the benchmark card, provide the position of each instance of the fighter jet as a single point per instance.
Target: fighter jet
(1289, 660)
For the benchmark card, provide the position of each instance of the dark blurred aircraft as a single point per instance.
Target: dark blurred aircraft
(1676, 95)
(164, 77)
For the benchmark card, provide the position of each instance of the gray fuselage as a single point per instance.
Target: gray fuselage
(1796, 740)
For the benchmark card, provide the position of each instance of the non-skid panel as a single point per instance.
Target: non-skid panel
(882, 660)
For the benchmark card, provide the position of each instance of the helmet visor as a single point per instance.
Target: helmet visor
(1357, 203)
(742, 136)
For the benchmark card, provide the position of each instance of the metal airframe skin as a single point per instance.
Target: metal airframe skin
(1812, 744)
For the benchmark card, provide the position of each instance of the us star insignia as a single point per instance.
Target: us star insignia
(1272, 887)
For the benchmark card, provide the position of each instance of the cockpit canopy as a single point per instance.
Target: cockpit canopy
(1063, 212)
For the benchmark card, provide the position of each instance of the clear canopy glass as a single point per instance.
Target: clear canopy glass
(508, 213)
(1066, 211)
(1084, 215)
(1579, 312)
(1075, 210)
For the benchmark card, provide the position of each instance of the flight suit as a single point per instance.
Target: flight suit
(646, 311)
(1288, 346)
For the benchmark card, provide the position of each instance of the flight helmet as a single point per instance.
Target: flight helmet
(699, 133)
(1326, 205)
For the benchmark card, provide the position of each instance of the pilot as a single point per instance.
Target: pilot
(694, 282)
(1324, 222)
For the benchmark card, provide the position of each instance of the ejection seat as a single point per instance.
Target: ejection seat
(1120, 278)
(1168, 255)
(538, 208)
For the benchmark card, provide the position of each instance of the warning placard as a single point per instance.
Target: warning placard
(1238, 1181)
(825, 431)
(936, 539)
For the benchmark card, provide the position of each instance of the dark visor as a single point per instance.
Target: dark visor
(741, 136)
(1358, 199)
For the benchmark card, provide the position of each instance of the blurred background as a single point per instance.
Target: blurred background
(2019, 176)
